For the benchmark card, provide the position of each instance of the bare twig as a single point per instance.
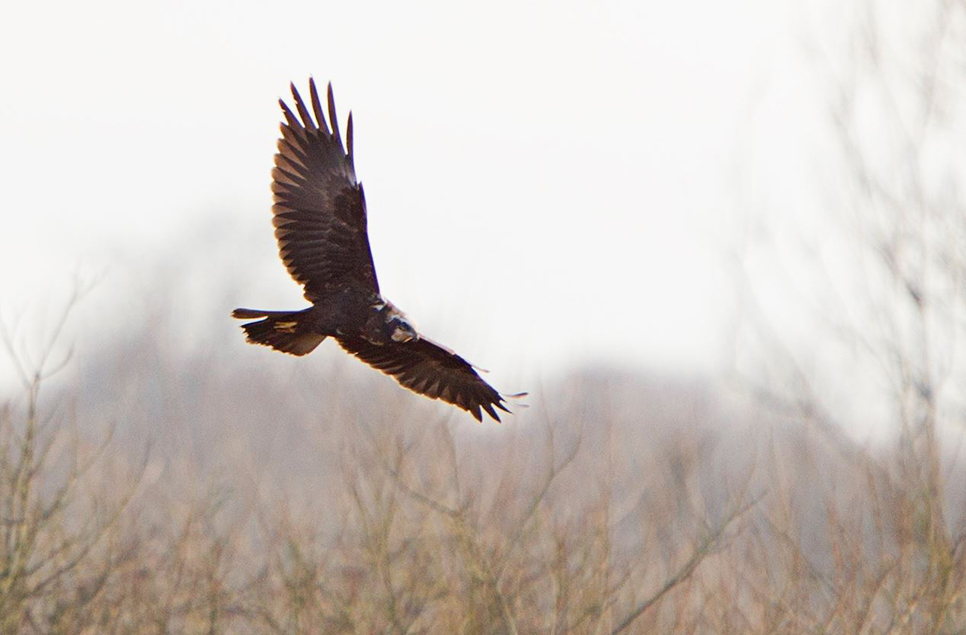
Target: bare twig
(707, 545)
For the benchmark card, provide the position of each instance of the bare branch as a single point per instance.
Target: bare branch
(707, 545)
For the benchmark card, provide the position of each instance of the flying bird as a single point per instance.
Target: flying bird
(319, 214)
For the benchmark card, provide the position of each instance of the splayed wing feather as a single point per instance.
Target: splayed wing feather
(303, 112)
(334, 120)
(348, 136)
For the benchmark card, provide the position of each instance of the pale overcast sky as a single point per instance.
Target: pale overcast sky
(549, 184)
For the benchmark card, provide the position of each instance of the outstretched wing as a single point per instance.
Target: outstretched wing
(430, 369)
(320, 209)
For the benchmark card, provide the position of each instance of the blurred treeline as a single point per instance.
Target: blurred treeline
(199, 496)
(193, 488)
(195, 495)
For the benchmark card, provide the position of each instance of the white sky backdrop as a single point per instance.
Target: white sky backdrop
(549, 184)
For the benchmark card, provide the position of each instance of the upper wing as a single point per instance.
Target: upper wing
(432, 370)
(320, 209)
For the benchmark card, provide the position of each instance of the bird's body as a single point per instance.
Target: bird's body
(347, 314)
(321, 225)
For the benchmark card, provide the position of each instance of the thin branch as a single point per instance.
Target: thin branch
(707, 545)
(555, 471)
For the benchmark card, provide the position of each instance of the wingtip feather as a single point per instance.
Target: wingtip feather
(333, 120)
(348, 136)
(303, 111)
(490, 411)
(289, 115)
(317, 105)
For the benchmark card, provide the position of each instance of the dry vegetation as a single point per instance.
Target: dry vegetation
(231, 491)
(648, 506)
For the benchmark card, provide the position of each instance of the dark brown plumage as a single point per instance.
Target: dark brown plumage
(430, 369)
(320, 224)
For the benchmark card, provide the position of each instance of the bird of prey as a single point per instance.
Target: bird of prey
(319, 214)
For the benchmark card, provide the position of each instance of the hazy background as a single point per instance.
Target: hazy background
(550, 185)
(723, 245)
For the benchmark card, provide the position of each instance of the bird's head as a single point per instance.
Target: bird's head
(400, 330)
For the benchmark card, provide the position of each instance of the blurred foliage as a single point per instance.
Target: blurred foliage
(209, 487)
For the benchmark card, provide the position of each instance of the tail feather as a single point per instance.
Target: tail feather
(284, 331)
(248, 314)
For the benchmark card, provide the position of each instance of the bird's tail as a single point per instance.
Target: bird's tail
(285, 331)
